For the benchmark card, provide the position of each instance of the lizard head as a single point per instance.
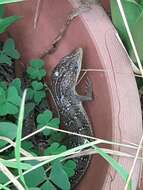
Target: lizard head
(68, 69)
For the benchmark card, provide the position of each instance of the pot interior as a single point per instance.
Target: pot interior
(31, 42)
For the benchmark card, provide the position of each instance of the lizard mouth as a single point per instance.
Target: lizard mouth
(78, 53)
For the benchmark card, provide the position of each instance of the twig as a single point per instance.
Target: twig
(81, 78)
(37, 13)
(68, 132)
(11, 177)
(24, 152)
(134, 163)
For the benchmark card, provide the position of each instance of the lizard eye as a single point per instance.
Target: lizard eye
(56, 73)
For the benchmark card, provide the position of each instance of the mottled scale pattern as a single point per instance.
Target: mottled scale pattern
(73, 116)
(7, 72)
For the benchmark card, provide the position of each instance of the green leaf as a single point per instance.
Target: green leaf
(139, 82)
(54, 123)
(12, 96)
(38, 175)
(117, 167)
(132, 10)
(27, 145)
(11, 164)
(37, 85)
(30, 94)
(37, 92)
(1, 11)
(3, 187)
(137, 36)
(10, 108)
(141, 3)
(58, 176)
(9, 101)
(69, 167)
(2, 2)
(3, 85)
(48, 186)
(5, 59)
(3, 109)
(18, 139)
(54, 149)
(17, 84)
(6, 22)
(8, 52)
(36, 69)
(38, 96)
(3, 178)
(7, 129)
(9, 49)
(37, 63)
(2, 95)
(44, 119)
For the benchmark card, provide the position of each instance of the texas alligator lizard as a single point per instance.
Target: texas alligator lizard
(64, 78)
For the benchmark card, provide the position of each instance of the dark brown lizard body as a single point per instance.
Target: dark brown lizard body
(72, 113)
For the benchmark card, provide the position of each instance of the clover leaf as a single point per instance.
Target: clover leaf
(3, 178)
(7, 129)
(9, 52)
(5, 59)
(3, 85)
(6, 22)
(69, 167)
(4, 2)
(36, 69)
(9, 101)
(58, 176)
(9, 49)
(36, 92)
(2, 95)
(17, 84)
(48, 186)
(46, 118)
(37, 175)
(54, 149)
(27, 145)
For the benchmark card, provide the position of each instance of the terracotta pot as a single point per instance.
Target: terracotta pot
(115, 113)
(106, 4)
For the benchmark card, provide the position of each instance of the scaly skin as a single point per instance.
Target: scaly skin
(73, 116)
(7, 72)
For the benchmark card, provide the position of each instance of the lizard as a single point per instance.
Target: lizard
(72, 114)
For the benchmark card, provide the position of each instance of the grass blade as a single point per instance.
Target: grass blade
(18, 138)
(117, 167)
(11, 164)
(3, 187)
(121, 9)
(2, 2)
